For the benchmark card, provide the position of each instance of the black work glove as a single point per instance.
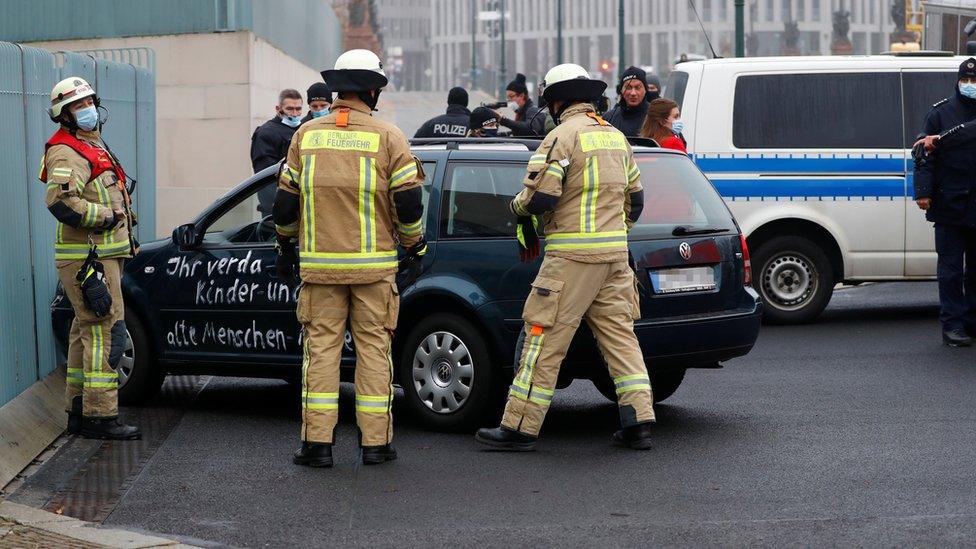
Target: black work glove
(94, 291)
(286, 264)
(918, 152)
(116, 219)
(408, 271)
(528, 238)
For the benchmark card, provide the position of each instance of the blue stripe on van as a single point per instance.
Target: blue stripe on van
(810, 188)
(801, 163)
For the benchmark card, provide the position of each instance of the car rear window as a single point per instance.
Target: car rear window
(677, 194)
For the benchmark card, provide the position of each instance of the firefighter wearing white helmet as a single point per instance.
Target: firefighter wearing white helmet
(349, 192)
(583, 182)
(87, 194)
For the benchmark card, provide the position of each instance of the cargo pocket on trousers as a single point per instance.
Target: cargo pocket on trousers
(542, 305)
(635, 310)
(392, 308)
(302, 311)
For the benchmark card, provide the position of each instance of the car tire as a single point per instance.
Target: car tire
(663, 385)
(794, 277)
(441, 358)
(139, 374)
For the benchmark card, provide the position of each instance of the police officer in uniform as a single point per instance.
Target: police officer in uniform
(584, 183)
(454, 122)
(86, 193)
(349, 192)
(946, 190)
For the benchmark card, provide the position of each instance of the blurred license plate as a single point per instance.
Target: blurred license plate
(687, 279)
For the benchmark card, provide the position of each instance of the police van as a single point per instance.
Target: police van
(813, 157)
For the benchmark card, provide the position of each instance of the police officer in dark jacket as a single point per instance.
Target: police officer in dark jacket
(453, 123)
(269, 142)
(528, 122)
(945, 187)
(629, 113)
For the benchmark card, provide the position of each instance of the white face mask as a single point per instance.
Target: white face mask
(513, 105)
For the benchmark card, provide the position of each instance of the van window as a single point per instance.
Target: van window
(922, 90)
(676, 86)
(676, 193)
(817, 111)
(476, 199)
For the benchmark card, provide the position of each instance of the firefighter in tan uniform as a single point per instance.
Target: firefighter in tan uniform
(86, 193)
(350, 191)
(585, 184)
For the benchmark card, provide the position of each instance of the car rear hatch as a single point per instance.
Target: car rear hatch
(686, 244)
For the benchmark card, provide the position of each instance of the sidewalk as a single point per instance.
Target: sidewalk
(22, 526)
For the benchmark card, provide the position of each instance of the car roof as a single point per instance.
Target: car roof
(912, 59)
(501, 143)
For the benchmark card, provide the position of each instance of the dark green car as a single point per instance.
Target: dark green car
(207, 301)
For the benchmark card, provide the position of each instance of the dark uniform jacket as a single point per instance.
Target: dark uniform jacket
(627, 119)
(526, 123)
(269, 143)
(454, 123)
(947, 175)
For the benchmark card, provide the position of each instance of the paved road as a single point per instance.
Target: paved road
(856, 430)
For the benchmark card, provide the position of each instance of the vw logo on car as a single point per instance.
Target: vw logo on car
(685, 250)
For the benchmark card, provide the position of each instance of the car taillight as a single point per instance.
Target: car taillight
(746, 262)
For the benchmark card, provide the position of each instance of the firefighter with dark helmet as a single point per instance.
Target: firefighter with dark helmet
(349, 192)
(87, 194)
(583, 182)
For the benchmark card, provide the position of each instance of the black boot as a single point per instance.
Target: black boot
(505, 440)
(956, 338)
(313, 454)
(74, 416)
(108, 429)
(373, 455)
(635, 437)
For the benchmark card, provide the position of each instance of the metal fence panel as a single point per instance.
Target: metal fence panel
(18, 363)
(28, 277)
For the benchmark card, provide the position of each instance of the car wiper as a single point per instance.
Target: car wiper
(684, 230)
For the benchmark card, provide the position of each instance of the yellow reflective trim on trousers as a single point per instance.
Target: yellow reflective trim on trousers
(75, 376)
(320, 401)
(402, 175)
(591, 190)
(531, 355)
(96, 350)
(371, 404)
(367, 205)
(101, 379)
(631, 383)
(341, 140)
(536, 394)
(308, 201)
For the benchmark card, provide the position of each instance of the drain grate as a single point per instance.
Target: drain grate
(95, 488)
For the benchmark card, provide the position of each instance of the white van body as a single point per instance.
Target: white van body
(817, 149)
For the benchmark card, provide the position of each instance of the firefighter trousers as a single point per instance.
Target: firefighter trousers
(371, 311)
(563, 293)
(95, 345)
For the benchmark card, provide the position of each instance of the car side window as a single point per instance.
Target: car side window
(476, 197)
(242, 224)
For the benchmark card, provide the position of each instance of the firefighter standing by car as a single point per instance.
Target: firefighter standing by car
(350, 190)
(86, 193)
(585, 183)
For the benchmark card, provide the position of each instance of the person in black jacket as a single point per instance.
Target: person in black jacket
(528, 122)
(653, 88)
(453, 123)
(269, 142)
(629, 113)
(319, 98)
(945, 188)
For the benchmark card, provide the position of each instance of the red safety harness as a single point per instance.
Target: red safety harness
(101, 161)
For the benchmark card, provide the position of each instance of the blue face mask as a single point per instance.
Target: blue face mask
(291, 121)
(968, 90)
(677, 126)
(87, 118)
(323, 112)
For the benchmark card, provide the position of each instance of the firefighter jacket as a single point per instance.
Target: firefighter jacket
(350, 191)
(85, 185)
(585, 183)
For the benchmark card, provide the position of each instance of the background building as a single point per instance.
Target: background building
(944, 24)
(405, 30)
(657, 33)
(219, 67)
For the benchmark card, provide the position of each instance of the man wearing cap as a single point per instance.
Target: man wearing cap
(653, 87)
(946, 190)
(484, 123)
(529, 120)
(453, 123)
(319, 100)
(629, 113)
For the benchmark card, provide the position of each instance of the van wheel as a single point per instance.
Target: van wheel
(139, 375)
(794, 279)
(446, 373)
(663, 385)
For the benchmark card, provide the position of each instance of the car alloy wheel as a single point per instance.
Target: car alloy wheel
(443, 372)
(127, 362)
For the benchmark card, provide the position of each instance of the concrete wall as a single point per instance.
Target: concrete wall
(212, 91)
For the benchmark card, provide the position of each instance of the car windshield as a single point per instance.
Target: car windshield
(676, 194)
